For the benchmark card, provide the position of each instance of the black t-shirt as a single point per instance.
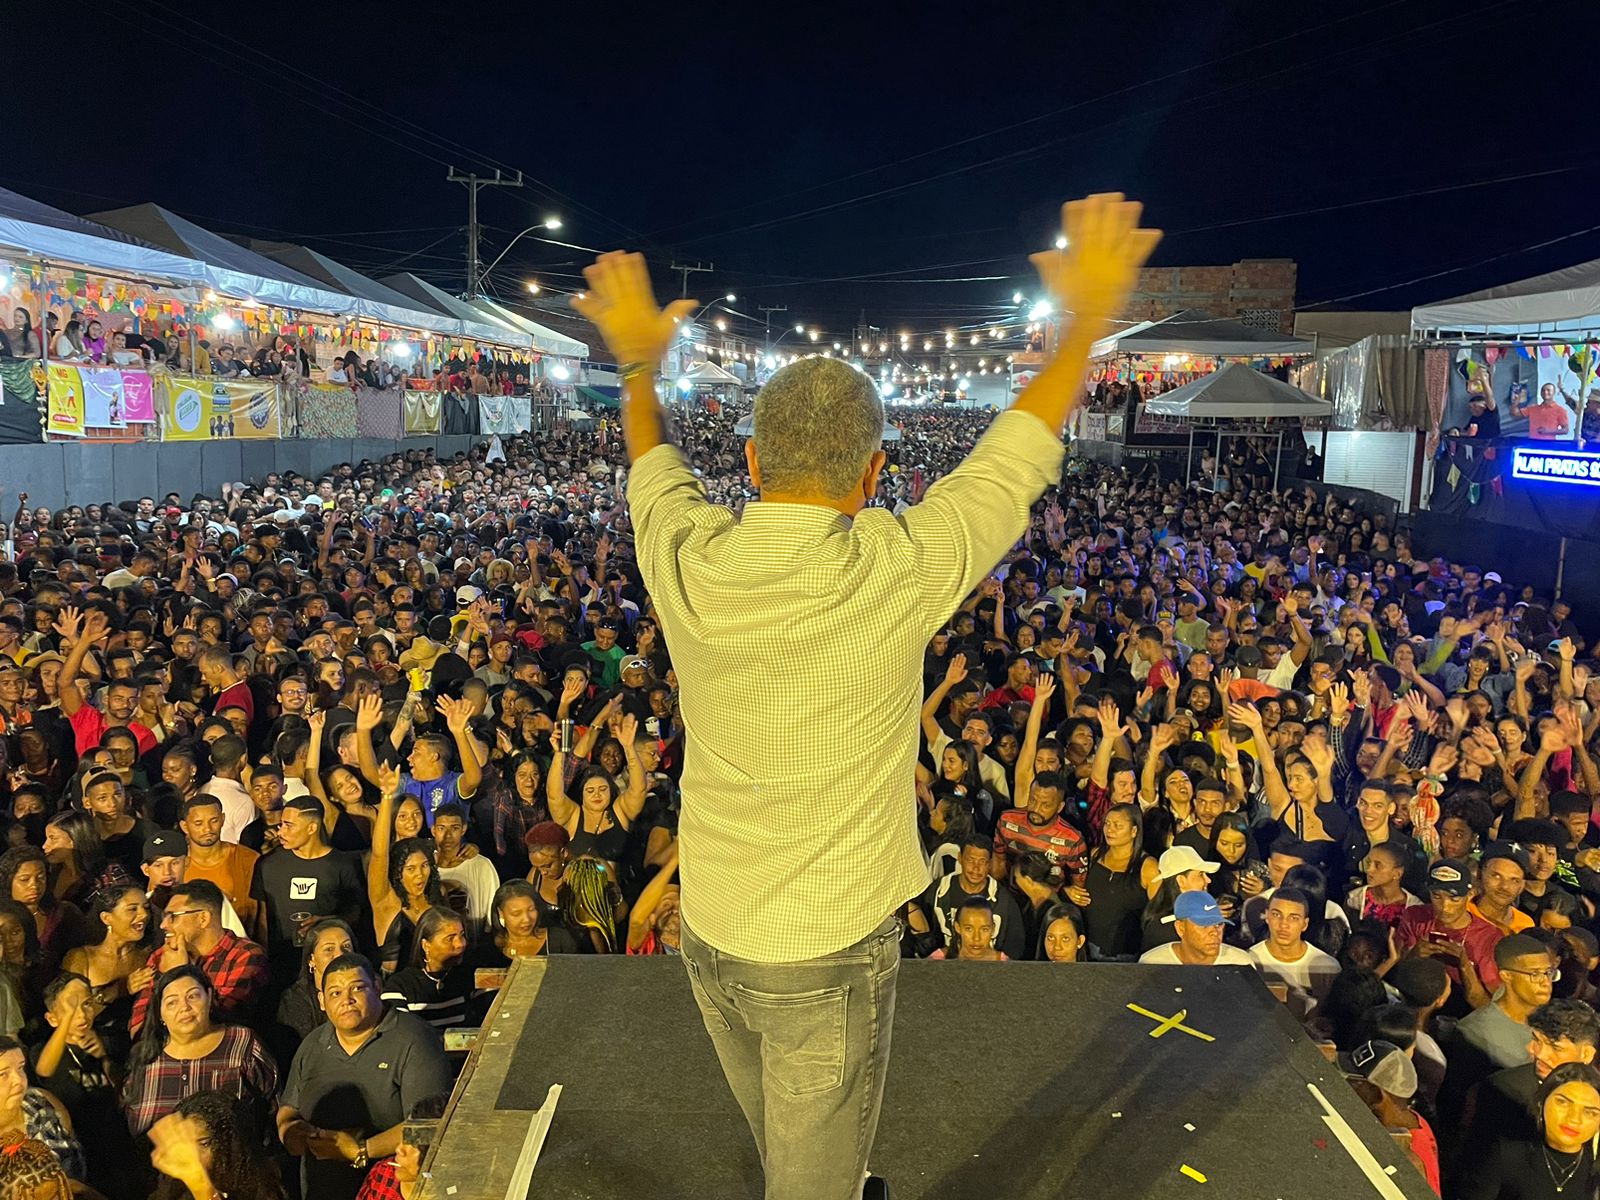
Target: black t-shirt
(944, 897)
(128, 848)
(1488, 423)
(299, 891)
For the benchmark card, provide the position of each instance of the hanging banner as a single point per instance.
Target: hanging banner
(380, 414)
(64, 393)
(504, 414)
(103, 403)
(201, 410)
(422, 413)
(21, 420)
(138, 396)
(328, 412)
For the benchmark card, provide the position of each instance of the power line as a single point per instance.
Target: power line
(1299, 32)
(1296, 71)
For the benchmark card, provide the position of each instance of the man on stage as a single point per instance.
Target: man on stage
(797, 631)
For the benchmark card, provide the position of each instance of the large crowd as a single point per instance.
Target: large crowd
(294, 772)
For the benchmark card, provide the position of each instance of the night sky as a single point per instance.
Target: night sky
(801, 147)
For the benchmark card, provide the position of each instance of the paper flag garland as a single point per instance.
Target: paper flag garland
(1454, 477)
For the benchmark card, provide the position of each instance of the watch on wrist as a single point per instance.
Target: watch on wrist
(360, 1161)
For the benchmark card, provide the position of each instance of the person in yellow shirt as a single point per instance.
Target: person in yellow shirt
(765, 656)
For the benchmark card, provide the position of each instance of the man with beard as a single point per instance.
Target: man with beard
(1042, 828)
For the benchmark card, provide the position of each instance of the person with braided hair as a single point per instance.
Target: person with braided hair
(592, 904)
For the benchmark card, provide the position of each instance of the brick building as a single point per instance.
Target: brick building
(1258, 291)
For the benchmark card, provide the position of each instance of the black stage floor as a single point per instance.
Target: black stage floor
(1017, 1080)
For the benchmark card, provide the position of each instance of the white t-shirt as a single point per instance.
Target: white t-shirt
(1308, 979)
(478, 878)
(1167, 956)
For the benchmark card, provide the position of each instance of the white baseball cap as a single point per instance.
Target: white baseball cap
(1178, 859)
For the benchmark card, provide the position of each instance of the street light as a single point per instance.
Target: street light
(551, 223)
(730, 297)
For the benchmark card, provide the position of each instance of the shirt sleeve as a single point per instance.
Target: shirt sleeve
(662, 493)
(427, 1071)
(971, 517)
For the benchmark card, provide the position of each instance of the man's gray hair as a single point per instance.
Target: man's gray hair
(817, 422)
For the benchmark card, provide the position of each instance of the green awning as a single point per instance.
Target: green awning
(596, 396)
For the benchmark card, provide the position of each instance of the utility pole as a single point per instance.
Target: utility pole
(767, 312)
(474, 182)
(686, 270)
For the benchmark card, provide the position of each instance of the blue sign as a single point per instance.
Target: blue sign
(1555, 466)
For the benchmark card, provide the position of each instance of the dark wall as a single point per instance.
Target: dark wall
(1521, 556)
(61, 473)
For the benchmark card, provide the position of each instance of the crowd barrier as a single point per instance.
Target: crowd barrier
(57, 474)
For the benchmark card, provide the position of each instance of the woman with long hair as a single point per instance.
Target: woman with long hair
(402, 881)
(24, 341)
(208, 1147)
(1238, 875)
(72, 845)
(184, 1049)
(299, 1011)
(1117, 886)
(1560, 1159)
(25, 878)
(959, 777)
(436, 986)
(1061, 935)
(972, 934)
(515, 930)
(115, 965)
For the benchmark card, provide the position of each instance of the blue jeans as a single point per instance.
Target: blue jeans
(805, 1049)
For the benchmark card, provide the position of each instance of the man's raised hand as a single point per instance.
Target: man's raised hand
(1092, 277)
(622, 306)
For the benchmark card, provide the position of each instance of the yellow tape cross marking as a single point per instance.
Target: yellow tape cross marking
(1165, 1024)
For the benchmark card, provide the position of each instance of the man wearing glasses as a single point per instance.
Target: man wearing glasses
(193, 933)
(1499, 1030)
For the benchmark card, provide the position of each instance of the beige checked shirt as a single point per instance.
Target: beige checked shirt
(798, 639)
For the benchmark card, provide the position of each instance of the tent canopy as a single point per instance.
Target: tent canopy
(1194, 332)
(381, 298)
(420, 291)
(708, 374)
(746, 427)
(545, 339)
(1565, 302)
(1237, 391)
(38, 231)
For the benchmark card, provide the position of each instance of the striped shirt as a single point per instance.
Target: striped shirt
(798, 640)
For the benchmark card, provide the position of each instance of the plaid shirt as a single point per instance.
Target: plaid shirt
(43, 1124)
(237, 968)
(239, 1067)
(380, 1183)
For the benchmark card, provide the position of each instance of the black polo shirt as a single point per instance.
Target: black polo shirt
(366, 1092)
